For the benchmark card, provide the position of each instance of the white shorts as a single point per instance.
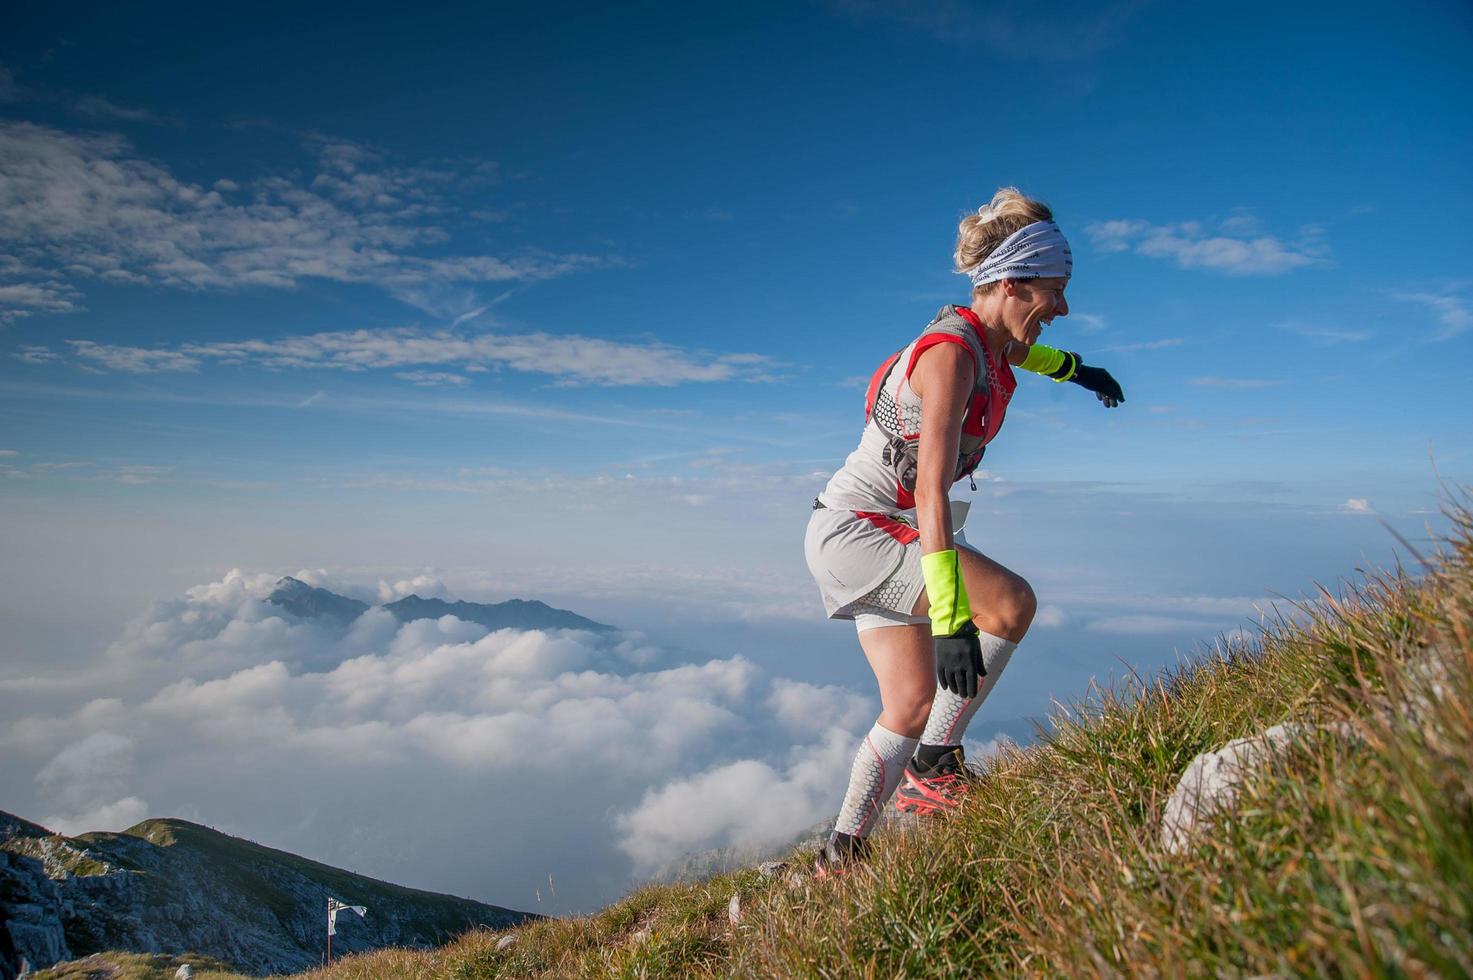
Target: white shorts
(868, 565)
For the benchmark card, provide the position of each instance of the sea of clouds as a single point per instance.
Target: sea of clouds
(541, 769)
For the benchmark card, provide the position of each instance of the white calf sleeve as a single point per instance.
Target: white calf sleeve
(951, 713)
(876, 772)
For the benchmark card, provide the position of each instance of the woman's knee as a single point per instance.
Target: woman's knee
(908, 710)
(1025, 603)
(1010, 610)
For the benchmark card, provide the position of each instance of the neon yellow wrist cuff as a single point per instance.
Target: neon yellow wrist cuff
(950, 610)
(1042, 359)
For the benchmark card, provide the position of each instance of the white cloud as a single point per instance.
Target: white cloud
(807, 709)
(134, 360)
(742, 805)
(10, 89)
(9, 452)
(1236, 383)
(86, 779)
(115, 816)
(431, 379)
(426, 586)
(1452, 311)
(35, 354)
(535, 743)
(1074, 32)
(1143, 345)
(25, 299)
(1049, 617)
(1088, 322)
(100, 108)
(1232, 248)
(1148, 625)
(89, 206)
(1357, 505)
(1327, 335)
(580, 359)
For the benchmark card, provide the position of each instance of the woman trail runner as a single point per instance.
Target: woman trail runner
(884, 541)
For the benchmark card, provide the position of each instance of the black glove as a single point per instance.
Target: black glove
(959, 661)
(1098, 380)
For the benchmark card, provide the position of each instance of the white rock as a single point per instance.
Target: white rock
(509, 939)
(185, 972)
(734, 909)
(771, 869)
(1210, 783)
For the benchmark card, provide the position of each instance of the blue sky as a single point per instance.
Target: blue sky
(577, 303)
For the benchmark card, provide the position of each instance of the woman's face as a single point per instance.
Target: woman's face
(1031, 304)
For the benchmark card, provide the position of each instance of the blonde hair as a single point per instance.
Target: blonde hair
(986, 228)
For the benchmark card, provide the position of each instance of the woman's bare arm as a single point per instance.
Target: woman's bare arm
(943, 378)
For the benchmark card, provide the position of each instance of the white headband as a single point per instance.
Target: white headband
(1036, 251)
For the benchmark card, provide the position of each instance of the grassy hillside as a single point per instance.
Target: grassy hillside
(1351, 854)
(137, 966)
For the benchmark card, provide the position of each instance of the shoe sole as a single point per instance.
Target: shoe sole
(923, 808)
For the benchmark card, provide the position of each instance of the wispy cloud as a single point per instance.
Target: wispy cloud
(1236, 382)
(88, 207)
(1357, 505)
(1146, 625)
(99, 108)
(23, 299)
(1075, 31)
(1327, 335)
(10, 89)
(1087, 322)
(1143, 345)
(432, 379)
(1233, 246)
(578, 359)
(132, 360)
(35, 354)
(1452, 310)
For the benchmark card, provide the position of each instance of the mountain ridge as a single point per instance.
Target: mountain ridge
(313, 602)
(171, 885)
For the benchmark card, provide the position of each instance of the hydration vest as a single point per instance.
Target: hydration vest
(895, 408)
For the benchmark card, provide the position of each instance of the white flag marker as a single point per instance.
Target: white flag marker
(334, 907)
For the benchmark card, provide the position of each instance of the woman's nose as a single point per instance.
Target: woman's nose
(1061, 308)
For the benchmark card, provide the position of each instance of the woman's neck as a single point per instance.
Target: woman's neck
(993, 335)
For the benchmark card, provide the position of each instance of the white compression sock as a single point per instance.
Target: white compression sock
(877, 769)
(951, 713)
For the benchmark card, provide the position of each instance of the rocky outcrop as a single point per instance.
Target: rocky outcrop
(169, 886)
(1209, 786)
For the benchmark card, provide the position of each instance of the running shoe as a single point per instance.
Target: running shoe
(936, 790)
(839, 856)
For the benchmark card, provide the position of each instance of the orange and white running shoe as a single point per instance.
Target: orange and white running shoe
(937, 790)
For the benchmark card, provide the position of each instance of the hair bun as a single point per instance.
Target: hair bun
(980, 233)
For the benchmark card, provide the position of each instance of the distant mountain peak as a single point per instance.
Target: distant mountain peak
(311, 602)
(525, 614)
